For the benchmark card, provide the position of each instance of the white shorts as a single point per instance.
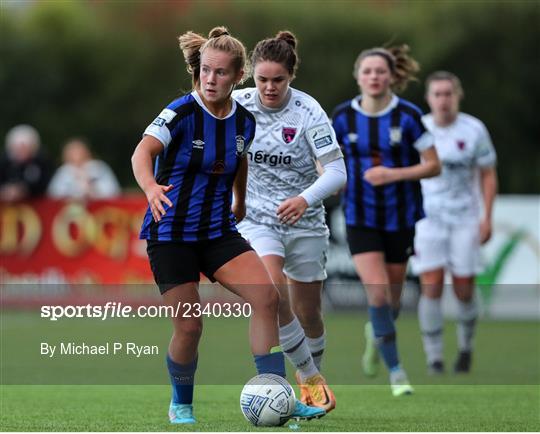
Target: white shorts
(304, 254)
(454, 247)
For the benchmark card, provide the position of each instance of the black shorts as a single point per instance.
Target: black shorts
(397, 246)
(177, 262)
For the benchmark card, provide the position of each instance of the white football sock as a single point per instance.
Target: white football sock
(316, 346)
(431, 325)
(467, 315)
(295, 347)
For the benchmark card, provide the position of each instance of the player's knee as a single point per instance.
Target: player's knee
(267, 300)
(433, 291)
(464, 296)
(191, 329)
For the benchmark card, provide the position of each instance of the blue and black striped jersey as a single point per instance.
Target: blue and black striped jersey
(200, 159)
(392, 138)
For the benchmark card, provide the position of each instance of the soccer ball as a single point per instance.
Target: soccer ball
(267, 400)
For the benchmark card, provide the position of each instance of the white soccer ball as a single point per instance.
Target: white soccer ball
(267, 400)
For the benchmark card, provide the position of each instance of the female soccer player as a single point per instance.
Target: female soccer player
(285, 216)
(386, 152)
(455, 226)
(200, 142)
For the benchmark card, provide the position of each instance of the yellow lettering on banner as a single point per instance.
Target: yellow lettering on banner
(76, 216)
(20, 230)
(112, 232)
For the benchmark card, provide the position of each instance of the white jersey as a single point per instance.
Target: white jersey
(282, 157)
(463, 148)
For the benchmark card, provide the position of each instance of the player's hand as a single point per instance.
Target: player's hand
(239, 211)
(380, 175)
(155, 194)
(485, 231)
(291, 210)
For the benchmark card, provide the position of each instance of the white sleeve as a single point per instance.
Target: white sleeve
(485, 151)
(333, 178)
(322, 138)
(159, 128)
(425, 141)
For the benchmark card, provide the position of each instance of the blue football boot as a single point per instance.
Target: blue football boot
(181, 413)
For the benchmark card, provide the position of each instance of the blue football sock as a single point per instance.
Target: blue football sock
(395, 312)
(385, 334)
(271, 363)
(182, 380)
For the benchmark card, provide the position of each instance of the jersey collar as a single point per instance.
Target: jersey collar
(355, 104)
(199, 101)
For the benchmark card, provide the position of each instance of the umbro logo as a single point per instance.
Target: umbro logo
(198, 144)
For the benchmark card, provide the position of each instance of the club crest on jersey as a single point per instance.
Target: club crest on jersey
(461, 145)
(240, 144)
(288, 134)
(198, 144)
(395, 136)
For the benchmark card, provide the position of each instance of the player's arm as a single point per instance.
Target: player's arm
(428, 167)
(141, 162)
(488, 182)
(239, 190)
(332, 179)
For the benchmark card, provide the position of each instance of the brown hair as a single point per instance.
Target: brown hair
(402, 66)
(193, 45)
(445, 75)
(280, 49)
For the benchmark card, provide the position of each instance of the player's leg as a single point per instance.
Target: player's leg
(305, 268)
(398, 247)
(396, 275)
(431, 319)
(182, 353)
(291, 334)
(269, 245)
(245, 275)
(429, 261)
(364, 240)
(371, 268)
(464, 254)
(178, 281)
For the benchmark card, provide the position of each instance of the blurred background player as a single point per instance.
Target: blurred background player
(81, 176)
(456, 223)
(285, 216)
(24, 169)
(200, 142)
(383, 139)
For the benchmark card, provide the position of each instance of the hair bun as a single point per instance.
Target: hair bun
(216, 32)
(288, 37)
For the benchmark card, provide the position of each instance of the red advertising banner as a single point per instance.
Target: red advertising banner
(96, 242)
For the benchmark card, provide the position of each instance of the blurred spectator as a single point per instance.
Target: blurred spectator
(82, 177)
(24, 170)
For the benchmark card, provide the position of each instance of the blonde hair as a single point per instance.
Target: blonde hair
(402, 66)
(193, 45)
(445, 75)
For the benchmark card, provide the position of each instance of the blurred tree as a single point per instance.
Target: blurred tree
(105, 69)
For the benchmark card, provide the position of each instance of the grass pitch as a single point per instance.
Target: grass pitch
(502, 393)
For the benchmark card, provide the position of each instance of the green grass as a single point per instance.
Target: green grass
(40, 394)
(359, 408)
